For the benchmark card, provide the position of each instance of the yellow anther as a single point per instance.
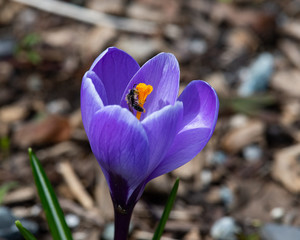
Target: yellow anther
(143, 92)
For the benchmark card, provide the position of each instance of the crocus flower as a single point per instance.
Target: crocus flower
(137, 127)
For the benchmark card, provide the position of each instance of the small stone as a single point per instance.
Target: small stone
(258, 75)
(226, 196)
(197, 46)
(277, 213)
(72, 220)
(8, 229)
(58, 106)
(238, 121)
(108, 232)
(272, 231)
(173, 31)
(219, 158)
(36, 210)
(224, 229)
(206, 177)
(252, 153)
(7, 47)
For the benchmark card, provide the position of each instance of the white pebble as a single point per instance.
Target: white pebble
(277, 213)
(206, 177)
(72, 220)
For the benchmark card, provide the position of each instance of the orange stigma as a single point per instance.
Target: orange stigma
(143, 92)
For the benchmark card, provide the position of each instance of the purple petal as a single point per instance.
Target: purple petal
(120, 144)
(185, 147)
(161, 128)
(93, 98)
(200, 106)
(115, 68)
(162, 72)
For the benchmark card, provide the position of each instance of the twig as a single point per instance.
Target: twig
(93, 17)
(91, 215)
(75, 185)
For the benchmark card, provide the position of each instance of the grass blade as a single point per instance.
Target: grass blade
(55, 218)
(5, 188)
(161, 226)
(25, 233)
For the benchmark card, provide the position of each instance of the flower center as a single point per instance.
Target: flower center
(136, 98)
(143, 91)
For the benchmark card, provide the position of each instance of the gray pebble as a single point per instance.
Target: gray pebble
(72, 220)
(257, 76)
(224, 229)
(7, 47)
(8, 229)
(273, 231)
(252, 153)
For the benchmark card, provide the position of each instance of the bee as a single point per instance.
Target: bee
(133, 100)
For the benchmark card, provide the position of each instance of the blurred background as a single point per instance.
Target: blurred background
(244, 185)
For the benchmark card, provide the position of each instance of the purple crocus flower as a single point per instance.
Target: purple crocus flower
(137, 127)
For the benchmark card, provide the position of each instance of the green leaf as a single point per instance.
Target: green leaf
(247, 105)
(162, 223)
(53, 212)
(4, 147)
(5, 188)
(31, 40)
(34, 57)
(25, 233)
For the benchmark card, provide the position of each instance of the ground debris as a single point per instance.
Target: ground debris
(286, 168)
(49, 130)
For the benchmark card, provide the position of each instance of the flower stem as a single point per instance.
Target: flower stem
(122, 221)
